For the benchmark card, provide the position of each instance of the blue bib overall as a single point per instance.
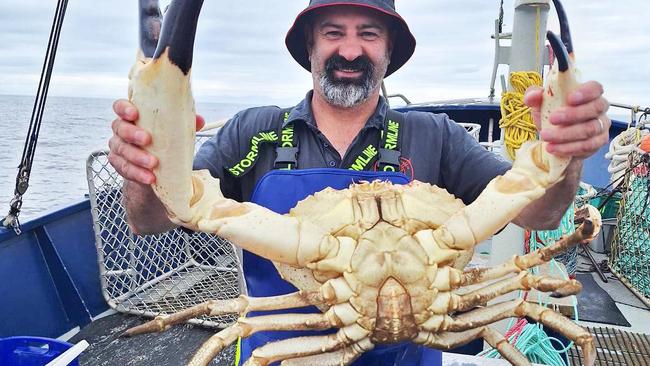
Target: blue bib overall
(280, 190)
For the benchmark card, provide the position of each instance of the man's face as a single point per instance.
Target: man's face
(349, 53)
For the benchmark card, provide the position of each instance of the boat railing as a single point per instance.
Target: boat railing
(160, 274)
(639, 116)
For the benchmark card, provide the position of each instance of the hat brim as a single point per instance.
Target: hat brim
(403, 46)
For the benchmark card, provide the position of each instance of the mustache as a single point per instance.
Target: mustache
(337, 62)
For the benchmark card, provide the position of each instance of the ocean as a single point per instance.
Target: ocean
(72, 128)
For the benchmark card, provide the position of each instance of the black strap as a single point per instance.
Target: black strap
(391, 142)
(286, 153)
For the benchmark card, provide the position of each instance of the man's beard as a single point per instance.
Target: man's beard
(348, 92)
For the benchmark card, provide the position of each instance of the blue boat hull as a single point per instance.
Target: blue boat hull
(49, 277)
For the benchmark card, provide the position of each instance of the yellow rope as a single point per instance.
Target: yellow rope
(516, 120)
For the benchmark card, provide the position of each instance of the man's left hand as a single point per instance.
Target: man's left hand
(581, 127)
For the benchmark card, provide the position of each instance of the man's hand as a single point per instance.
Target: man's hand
(127, 154)
(579, 129)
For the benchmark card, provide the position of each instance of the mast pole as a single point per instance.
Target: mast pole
(529, 36)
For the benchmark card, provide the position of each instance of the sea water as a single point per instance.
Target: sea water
(71, 130)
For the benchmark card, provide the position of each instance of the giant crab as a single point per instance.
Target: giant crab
(383, 262)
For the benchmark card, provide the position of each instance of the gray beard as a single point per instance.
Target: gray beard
(345, 95)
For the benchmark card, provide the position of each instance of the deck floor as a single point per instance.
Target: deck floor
(177, 345)
(173, 347)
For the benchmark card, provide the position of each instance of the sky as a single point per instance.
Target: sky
(240, 55)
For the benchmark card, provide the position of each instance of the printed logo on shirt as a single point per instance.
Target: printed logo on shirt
(392, 135)
(251, 157)
(287, 136)
(361, 162)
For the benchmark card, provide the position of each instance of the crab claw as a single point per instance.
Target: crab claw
(160, 89)
(150, 25)
(565, 32)
(561, 54)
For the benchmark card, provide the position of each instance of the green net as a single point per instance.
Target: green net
(630, 256)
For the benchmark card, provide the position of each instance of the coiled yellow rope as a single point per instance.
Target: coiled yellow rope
(516, 119)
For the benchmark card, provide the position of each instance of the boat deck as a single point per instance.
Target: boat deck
(173, 347)
(176, 346)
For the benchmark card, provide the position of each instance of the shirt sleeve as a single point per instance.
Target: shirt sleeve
(466, 166)
(220, 151)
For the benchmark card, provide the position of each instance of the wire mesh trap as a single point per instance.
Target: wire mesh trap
(156, 274)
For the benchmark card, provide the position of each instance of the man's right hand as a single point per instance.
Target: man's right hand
(126, 148)
(145, 213)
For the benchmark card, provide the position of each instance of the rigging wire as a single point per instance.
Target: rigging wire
(26, 162)
(501, 18)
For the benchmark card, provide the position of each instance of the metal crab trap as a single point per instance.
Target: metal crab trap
(630, 255)
(156, 274)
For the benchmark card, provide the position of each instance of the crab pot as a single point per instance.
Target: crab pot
(31, 351)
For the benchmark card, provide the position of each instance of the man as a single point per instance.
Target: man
(349, 47)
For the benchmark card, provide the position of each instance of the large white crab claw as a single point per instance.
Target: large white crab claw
(160, 88)
(534, 170)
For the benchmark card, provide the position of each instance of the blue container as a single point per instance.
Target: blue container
(31, 351)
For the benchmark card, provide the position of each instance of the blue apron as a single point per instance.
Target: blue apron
(280, 190)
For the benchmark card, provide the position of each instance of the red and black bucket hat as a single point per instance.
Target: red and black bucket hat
(403, 47)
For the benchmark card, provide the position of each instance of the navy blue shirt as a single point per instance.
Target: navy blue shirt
(434, 149)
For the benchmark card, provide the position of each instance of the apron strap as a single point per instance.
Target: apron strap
(286, 153)
(287, 146)
(250, 159)
(391, 142)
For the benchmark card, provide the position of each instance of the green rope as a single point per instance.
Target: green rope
(535, 344)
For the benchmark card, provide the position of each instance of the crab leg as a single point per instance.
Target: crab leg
(519, 308)
(449, 340)
(307, 346)
(241, 305)
(449, 302)
(518, 263)
(244, 327)
(344, 356)
(524, 281)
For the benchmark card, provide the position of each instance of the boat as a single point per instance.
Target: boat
(78, 273)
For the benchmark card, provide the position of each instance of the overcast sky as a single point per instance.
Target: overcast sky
(240, 54)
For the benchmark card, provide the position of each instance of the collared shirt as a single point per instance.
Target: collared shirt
(434, 149)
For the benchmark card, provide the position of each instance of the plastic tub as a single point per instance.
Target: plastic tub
(31, 351)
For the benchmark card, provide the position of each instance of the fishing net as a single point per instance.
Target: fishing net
(156, 274)
(630, 254)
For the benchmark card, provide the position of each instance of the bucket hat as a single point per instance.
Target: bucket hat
(403, 46)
